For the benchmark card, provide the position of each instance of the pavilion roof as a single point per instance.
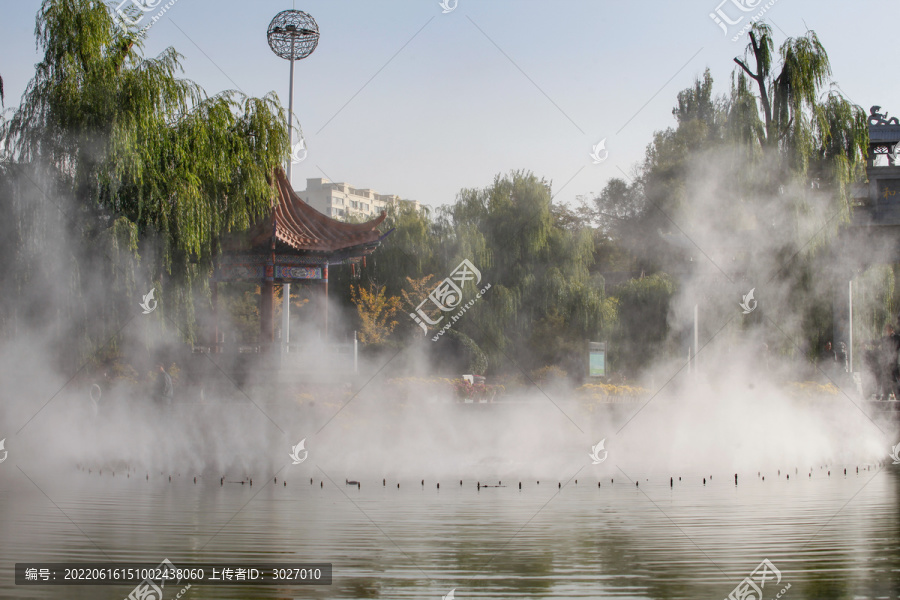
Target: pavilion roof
(300, 227)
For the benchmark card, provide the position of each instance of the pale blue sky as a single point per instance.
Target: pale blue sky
(404, 99)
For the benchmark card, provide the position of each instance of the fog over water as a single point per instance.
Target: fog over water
(728, 421)
(722, 438)
(733, 413)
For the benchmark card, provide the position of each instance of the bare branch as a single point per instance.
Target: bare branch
(746, 68)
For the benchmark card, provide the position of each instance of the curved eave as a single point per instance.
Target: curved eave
(302, 227)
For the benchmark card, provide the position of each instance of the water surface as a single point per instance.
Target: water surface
(831, 536)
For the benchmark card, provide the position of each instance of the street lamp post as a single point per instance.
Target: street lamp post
(293, 35)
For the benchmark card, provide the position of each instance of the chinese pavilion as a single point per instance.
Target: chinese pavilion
(873, 234)
(295, 243)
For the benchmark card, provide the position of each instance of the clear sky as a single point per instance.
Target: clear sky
(405, 99)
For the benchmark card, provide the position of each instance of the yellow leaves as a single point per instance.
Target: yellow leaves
(607, 392)
(811, 389)
(417, 291)
(376, 312)
(549, 373)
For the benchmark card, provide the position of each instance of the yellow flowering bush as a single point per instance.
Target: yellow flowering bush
(609, 392)
(811, 389)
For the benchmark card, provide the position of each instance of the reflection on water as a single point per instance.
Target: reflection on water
(830, 536)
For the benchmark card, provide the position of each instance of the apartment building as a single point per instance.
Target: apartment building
(343, 201)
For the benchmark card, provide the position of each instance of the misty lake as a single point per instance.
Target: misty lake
(830, 536)
(600, 303)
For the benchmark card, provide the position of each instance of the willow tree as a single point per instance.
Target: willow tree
(147, 168)
(409, 249)
(543, 304)
(817, 139)
(756, 178)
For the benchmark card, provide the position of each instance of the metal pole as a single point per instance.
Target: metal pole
(851, 325)
(696, 338)
(290, 162)
(355, 354)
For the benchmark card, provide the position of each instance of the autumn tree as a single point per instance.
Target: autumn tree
(376, 311)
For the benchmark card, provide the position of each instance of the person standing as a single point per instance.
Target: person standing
(842, 359)
(888, 354)
(873, 378)
(894, 363)
(165, 391)
(826, 361)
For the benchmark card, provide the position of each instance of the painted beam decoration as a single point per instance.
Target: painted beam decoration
(240, 267)
(256, 267)
(287, 273)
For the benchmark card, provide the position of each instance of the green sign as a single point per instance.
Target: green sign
(597, 359)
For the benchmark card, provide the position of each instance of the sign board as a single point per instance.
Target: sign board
(597, 359)
(886, 208)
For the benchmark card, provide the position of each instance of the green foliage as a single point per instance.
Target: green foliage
(642, 326)
(147, 162)
(130, 174)
(476, 361)
(875, 302)
(770, 163)
(543, 304)
(134, 140)
(548, 374)
(539, 269)
(801, 127)
(408, 250)
(239, 303)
